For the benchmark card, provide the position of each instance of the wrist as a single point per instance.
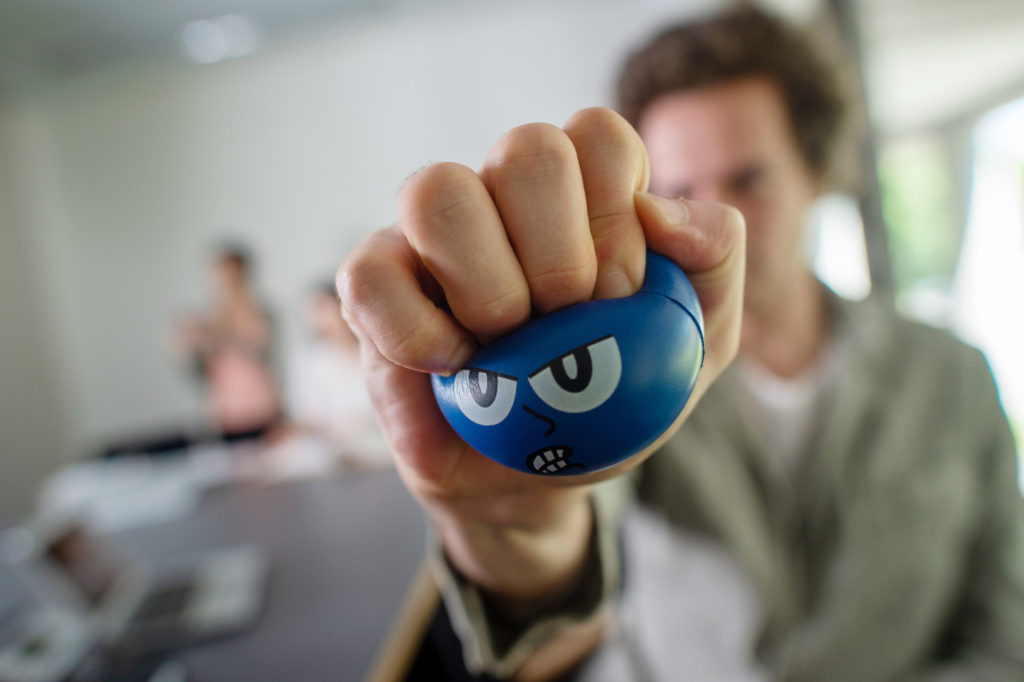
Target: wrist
(521, 566)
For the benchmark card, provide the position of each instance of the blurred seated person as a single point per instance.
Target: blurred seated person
(326, 395)
(231, 347)
(840, 504)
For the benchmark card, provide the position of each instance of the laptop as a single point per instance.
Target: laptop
(131, 608)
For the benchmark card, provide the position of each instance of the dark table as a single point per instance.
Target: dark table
(344, 552)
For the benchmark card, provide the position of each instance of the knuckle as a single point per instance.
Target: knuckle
(604, 122)
(500, 313)
(611, 155)
(341, 279)
(613, 233)
(357, 280)
(413, 345)
(436, 194)
(536, 145)
(362, 277)
(605, 138)
(570, 282)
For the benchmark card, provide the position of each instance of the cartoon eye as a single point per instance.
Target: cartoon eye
(581, 379)
(485, 397)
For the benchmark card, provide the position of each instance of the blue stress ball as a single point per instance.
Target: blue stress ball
(586, 387)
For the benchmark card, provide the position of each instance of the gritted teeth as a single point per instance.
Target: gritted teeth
(551, 460)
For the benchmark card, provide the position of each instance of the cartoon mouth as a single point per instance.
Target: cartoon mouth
(552, 460)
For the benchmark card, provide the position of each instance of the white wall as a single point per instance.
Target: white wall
(35, 423)
(299, 151)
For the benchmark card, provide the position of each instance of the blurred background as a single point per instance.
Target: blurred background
(136, 138)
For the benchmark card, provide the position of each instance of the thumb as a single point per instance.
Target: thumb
(708, 241)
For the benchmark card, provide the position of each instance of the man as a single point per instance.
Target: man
(855, 470)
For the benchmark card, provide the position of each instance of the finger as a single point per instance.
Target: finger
(613, 163)
(381, 289)
(449, 219)
(534, 177)
(403, 400)
(708, 241)
(430, 455)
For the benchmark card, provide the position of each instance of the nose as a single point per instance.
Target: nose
(547, 420)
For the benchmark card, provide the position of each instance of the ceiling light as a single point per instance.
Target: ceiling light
(208, 41)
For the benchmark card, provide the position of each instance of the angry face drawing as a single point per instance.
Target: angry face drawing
(586, 387)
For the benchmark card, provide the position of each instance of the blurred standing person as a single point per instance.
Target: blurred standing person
(231, 348)
(326, 395)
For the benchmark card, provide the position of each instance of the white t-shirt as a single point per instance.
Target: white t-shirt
(688, 611)
(787, 411)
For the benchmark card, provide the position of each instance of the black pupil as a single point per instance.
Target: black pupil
(584, 370)
(483, 398)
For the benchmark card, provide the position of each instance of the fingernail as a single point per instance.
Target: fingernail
(613, 283)
(672, 210)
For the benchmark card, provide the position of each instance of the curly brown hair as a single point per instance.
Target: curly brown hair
(739, 43)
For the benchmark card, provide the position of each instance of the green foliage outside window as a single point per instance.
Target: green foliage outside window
(919, 212)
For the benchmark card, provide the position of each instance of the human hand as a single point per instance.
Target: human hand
(556, 217)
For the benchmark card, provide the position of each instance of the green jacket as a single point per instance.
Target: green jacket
(896, 554)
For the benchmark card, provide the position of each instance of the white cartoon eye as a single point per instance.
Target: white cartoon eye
(485, 397)
(581, 379)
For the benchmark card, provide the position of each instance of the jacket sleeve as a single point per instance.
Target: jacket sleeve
(497, 646)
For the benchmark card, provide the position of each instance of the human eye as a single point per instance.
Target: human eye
(485, 397)
(750, 179)
(581, 379)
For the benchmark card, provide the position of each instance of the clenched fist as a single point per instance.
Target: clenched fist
(556, 217)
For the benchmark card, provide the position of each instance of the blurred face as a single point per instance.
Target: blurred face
(228, 276)
(733, 143)
(326, 321)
